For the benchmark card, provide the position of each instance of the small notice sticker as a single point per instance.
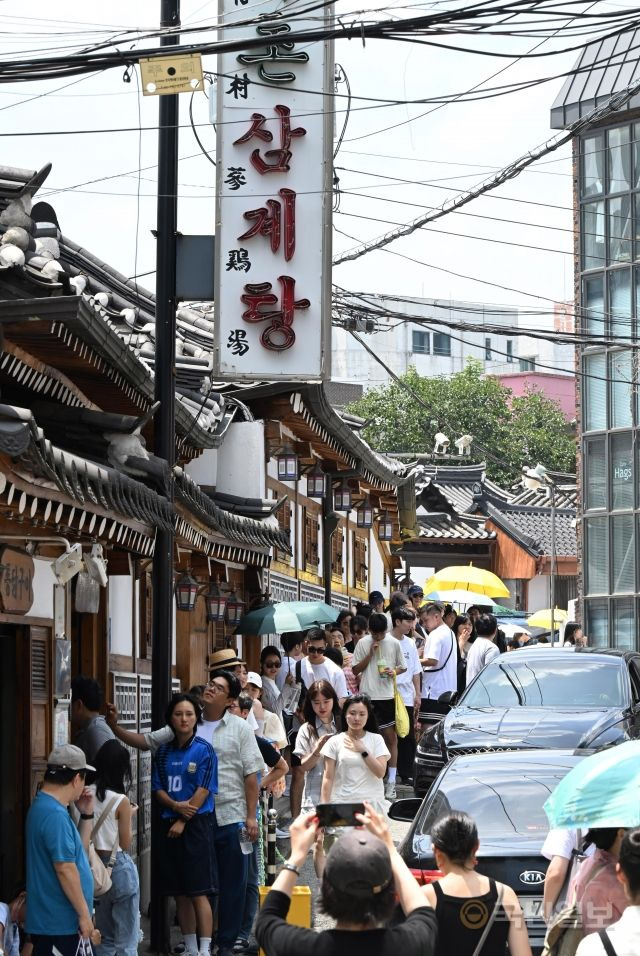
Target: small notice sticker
(171, 74)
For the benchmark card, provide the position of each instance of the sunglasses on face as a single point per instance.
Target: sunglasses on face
(316, 650)
(273, 663)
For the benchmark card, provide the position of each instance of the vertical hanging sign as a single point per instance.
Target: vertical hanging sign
(273, 199)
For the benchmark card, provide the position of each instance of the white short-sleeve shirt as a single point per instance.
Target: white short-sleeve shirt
(412, 663)
(480, 653)
(353, 780)
(440, 646)
(390, 654)
(327, 670)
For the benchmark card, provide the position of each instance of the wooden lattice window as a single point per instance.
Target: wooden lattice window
(310, 541)
(336, 552)
(284, 523)
(359, 561)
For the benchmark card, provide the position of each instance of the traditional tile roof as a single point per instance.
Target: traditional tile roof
(452, 526)
(460, 484)
(531, 528)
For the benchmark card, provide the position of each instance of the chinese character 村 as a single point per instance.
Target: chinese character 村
(278, 335)
(276, 160)
(238, 260)
(235, 177)
(278, 220)
(280, 51)
(237, 342)
(239, 86)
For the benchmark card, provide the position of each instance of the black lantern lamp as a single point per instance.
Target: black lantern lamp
(288, 465)
(216, 603)
(186, 592)
(235, 609)
(385, 527)
(342, 497)
(315, 482)
(364, 514)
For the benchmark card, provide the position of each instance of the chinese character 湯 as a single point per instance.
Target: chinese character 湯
(237, 342)
(277, 220)
(277, 159)
(278, 335)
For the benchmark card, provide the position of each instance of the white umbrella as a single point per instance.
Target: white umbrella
(458, 596)
(510, 629)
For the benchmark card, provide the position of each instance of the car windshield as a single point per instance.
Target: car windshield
(501, 804)
(546, 682)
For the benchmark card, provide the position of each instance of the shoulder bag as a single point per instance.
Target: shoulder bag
(565, 930)
(403, 726)
(606, 943)
(102, 871)
(478, 950)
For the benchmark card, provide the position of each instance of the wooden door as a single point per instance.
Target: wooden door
(40, 703)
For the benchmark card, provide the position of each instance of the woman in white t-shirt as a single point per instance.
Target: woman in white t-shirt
(355, 761)
(322, 720)
(118, 911)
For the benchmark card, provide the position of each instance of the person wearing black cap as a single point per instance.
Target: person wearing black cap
(363, 875)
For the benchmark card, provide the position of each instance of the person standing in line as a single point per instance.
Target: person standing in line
(89, 729)
(624, 935)
(440, 666)
(484, 648)
(292, 647)
(462, 891)
(322, 713)
(376, 602)
(59, 878)
(118, 911)
(355, 761)
(462, 629)
(270, 666)
(316, 666)
(376, 660)
(343, 621)
(358, 627)
(363, 879)
(239, 763)
(184, 781)
(408, 685)
(595, 886)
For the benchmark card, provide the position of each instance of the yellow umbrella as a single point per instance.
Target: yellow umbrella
(543, 618)
(469, 578)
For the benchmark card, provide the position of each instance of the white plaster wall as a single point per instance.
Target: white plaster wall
(204, 469)
(241, 468)
(120, 599)
(43, 582)
(376, 567)
(538, 593)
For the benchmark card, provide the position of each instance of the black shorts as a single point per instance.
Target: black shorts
(385, 711)
(432, 711)
(67, 945)
(189, 861)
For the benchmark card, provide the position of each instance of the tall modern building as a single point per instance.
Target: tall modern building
(607, 215)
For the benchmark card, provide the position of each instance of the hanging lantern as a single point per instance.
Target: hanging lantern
(87, 594)
(364, 514)
(342, 497)
(385, 527)
(216, 603)
(235, 609)
(288, 467)
(315, 482)
(186, 592)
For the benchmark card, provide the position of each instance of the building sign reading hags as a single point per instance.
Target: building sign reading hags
(273, 207)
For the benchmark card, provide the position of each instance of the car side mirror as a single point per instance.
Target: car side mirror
(405, 810)
(449, 697)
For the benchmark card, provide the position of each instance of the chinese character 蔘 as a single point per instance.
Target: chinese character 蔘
(275, 160)
(277, 220)
(235, 177)
(278, 335)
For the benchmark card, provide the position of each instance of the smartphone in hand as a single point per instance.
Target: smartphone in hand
(339, 814)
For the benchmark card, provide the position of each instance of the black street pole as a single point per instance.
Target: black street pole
(329, 525)
(164, 440)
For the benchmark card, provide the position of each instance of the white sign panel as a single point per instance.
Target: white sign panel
(273, 200)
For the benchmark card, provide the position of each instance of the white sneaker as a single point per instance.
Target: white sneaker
(390, 790)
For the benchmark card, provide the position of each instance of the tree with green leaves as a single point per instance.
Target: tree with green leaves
(405, 416)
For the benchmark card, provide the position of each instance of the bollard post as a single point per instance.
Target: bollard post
(272, 816)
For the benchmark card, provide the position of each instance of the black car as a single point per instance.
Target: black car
(504, 793)
(538, 697)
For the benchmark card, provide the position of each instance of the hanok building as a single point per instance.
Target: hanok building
(81, 499)
(606, 196)
(463, 517)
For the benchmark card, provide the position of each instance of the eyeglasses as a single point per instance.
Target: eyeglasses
(273, 663)
(316, 650)
(219, 688)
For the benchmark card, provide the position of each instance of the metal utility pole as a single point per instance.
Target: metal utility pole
(552, 569)
(164, 437)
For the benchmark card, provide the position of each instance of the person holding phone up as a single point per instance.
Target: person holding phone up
(355, 761)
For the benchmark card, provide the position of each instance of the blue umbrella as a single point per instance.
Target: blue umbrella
(602, 790)
(286, 616)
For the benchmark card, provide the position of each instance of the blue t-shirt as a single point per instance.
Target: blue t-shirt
(53, 838)
(180, 771)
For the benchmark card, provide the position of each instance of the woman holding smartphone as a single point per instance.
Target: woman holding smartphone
(355, 761)
(322, 720)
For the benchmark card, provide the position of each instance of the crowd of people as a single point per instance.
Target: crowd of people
(319, 718)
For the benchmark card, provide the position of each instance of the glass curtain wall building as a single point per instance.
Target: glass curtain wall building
(608, 312)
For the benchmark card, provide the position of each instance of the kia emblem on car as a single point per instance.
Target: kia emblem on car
(532, 877)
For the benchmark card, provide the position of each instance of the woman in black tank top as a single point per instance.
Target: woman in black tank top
(465, 901)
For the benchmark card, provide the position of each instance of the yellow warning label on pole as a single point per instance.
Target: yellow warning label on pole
(171, 74)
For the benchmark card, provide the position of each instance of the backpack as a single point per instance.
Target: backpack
(565, 931)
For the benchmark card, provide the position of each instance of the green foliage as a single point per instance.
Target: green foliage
(516, 431)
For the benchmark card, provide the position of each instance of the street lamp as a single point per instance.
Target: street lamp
(315, 482)
(342, 497)
(385, 527)
(288, 468)
(535, 479)
(235, 609)
(186, 592)
(364, 514)
(216, 603)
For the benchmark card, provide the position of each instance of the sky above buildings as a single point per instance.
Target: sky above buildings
(514, 247)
